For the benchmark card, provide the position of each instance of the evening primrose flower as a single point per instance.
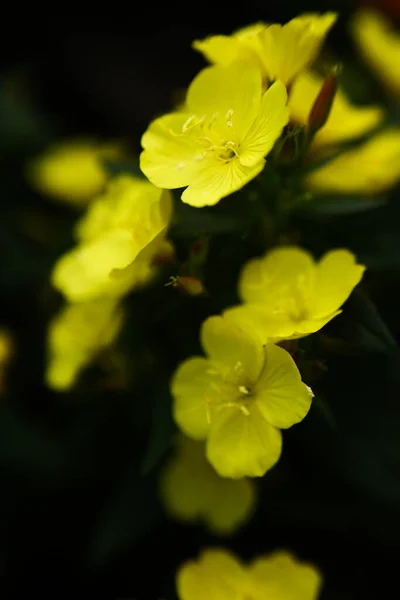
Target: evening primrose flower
(219, 575)
(238, 399)
(76, 335)
(192, 491)
(371, 168)
(72, 172)
(345, 121)
(119, 236)
(287, 294)
(219, 142)
(379, 45)
(281, 52)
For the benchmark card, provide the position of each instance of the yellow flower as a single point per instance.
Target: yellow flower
(370, 168)
(118, 237)
(218, 575)
(192, 491)
(345, 121)
(76, 335)
(286, 294)
(72, 172)
(379, 45)
(281, 52)
(219, 143)
(238, 399)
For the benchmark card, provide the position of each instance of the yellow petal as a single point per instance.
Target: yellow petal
(242, 445)
(281, 576)
(368, 169)
(237, 354)
(345, 121)
(289, 49)
(84, 272)
(192, 491)
(217, 575)
(281, 396)
(337, 275)
(220, 49)
(268, 126)
(217, 180)
(256, 318)
(379, 45)
(286, 273)
(195, 387)
(170, 157)
(230, 95)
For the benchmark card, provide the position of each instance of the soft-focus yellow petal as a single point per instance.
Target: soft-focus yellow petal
(83, 273)
(242, 444)
(171, 156)
(369, 169)
(221, 49)
(195, 387)
(237, 354)
(281, 577)
(282, 398)
(345, 121)
(379, 45)
(230, 95)
(192, 491)
(258, 319)
(268, 126)
(281, 275)
(288, 49)
(337, 275)
(219, 179)
(217, 575)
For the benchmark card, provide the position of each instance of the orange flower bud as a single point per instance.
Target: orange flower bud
(189, 285)
(322, 106)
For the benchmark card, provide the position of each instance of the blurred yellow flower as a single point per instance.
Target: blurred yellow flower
(379, 45)
(286, 294)
(219, 575)
(238, 399)
(345, 121)
(6, 353)
(281, 52)
(76, 335)
(192, 491)
(219, 143)
(72, 172)
(371, 168)
(119, 236)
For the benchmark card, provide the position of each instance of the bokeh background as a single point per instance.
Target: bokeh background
(79, 513)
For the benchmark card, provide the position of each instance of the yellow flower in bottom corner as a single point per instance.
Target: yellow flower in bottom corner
(219, 141)
(76, 335)
(238, 399)
(192, 491)
(286, 294)
(72, 172)
(371, 168)
(219, 575)
(121, 233)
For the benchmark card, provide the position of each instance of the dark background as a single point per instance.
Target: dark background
(78, 509)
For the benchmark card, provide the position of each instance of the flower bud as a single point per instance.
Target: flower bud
(189, 285)
(322, 106)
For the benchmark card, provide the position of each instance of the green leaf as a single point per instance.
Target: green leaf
(340, 205)
(161, 432)
(190, 222)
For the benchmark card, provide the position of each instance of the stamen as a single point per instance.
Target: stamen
(228, 117)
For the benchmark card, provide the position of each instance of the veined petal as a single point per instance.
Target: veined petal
(218, 179)
(345, 121)
(337, 275)
(242, 445)
(282, 398)
(196, 389)
(268, 126)
(280, 575)
(172, 155)
(237, 354)
(217, 575)
(290, 48)
(229, 95)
